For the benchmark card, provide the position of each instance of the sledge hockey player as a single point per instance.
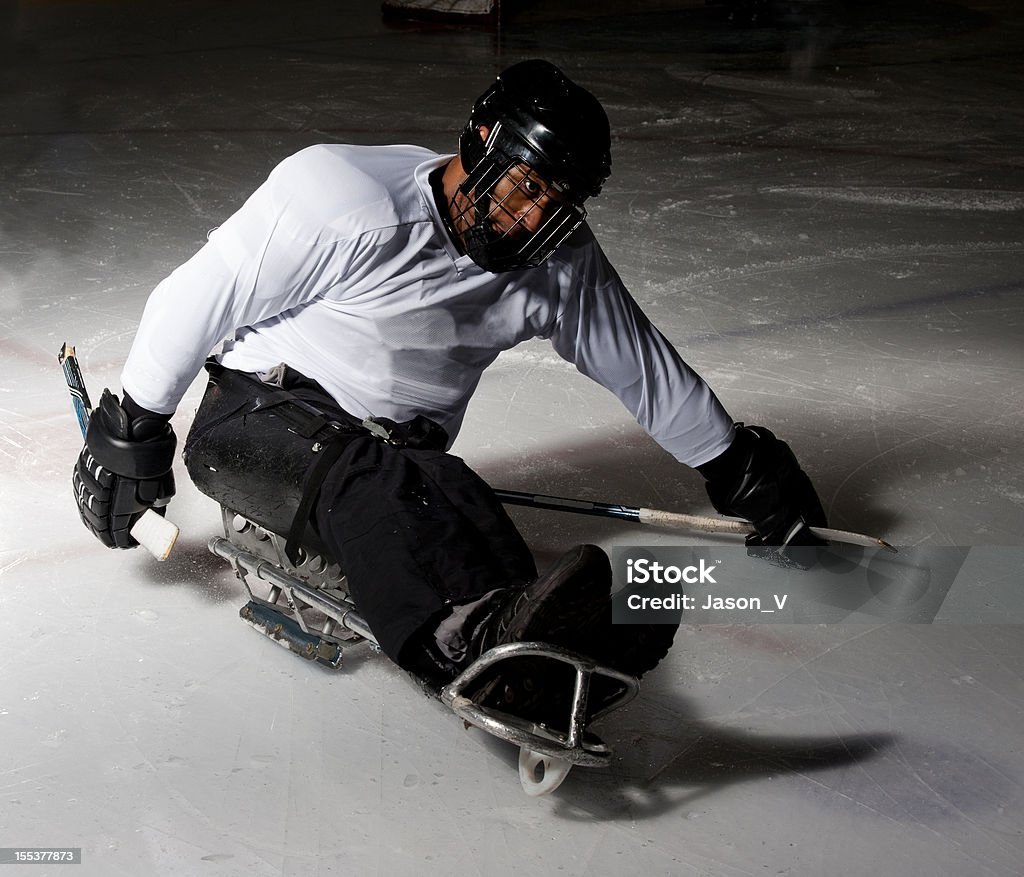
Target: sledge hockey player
(360, 293)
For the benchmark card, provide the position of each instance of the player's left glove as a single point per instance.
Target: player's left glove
(124, 469)
(758, 478)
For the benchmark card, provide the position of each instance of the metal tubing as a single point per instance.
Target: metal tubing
(344, 614)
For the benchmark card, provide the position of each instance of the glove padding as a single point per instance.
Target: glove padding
(759, 479)
(123, 470)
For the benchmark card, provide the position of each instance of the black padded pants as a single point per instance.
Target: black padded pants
(416, 532)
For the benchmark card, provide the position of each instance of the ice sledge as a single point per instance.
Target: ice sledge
(305, 607)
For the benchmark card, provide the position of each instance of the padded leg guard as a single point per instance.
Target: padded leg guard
(255, 448)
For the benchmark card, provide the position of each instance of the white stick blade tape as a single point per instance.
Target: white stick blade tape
(156, 534)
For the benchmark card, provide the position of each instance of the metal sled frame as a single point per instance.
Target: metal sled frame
(306, 608)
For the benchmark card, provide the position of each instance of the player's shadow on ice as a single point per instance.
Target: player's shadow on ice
(700, 761)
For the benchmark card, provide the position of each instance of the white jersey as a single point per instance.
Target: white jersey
(340, 266)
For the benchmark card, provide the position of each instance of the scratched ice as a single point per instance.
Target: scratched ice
(827, 220)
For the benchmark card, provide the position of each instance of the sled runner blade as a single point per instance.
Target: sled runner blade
(287, 633)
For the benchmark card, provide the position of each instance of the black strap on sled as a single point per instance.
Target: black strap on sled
(315, 476)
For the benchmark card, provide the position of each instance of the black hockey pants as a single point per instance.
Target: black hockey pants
(414, 529)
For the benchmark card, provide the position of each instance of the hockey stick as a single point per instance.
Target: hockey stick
(672, 520)
(152, 531)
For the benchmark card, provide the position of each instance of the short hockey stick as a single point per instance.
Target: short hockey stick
(673, 520)
(152, 531)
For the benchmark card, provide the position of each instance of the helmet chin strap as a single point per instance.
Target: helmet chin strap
(479, 237)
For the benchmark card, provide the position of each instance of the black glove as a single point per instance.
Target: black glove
(124, 469)
(758, 478)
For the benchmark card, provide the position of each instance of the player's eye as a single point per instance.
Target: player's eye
(532, 188)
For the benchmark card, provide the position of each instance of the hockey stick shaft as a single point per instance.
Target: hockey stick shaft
(672, 520)
(152, 531)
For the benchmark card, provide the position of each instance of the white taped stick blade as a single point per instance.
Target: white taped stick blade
(156, 534)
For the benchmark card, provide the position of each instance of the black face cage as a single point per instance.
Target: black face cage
(507, 158)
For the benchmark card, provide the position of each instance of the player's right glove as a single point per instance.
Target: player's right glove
(759, 479)
(123, 470)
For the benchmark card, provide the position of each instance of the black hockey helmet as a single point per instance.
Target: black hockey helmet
(542, 126)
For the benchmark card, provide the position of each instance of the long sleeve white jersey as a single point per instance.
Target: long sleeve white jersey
(340, 266)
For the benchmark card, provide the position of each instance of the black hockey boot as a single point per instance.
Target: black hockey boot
(549, 609)
(635, 649)
(571, 595)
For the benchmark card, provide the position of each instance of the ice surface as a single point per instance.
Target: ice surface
(827, 219)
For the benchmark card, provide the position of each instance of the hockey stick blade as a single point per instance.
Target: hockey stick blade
(152, 531)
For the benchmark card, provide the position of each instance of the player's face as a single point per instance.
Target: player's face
(521, 201)
(505, 214)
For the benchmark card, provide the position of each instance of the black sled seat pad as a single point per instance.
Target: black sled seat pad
(261, 451)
